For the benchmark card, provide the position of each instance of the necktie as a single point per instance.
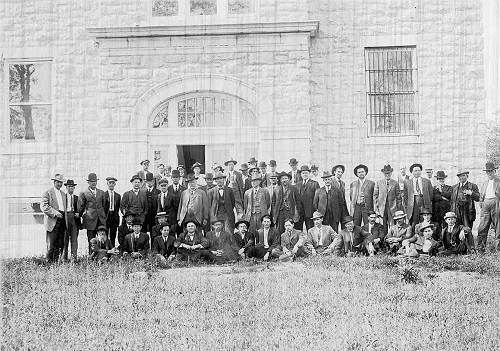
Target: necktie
(162, 200)
(418, 187)
(71, 202)
(112, 202)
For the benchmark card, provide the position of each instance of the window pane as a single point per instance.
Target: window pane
(181, 106)
(190, 120)
(29, 82)
(190, 105)
(30, 122)
(203, 7)
(161, 118)
(239, 7)
(165, 7)
(181, 120)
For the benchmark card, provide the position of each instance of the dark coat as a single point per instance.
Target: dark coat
(198, 238)
(152, 201)
(78, 221)
(359, 240)
(306, 196)
(99, 249)
(409, 194)
(246, 242)
(378, 232)
(171, 203)
(229, 202)
(441, 202)
(91, 208)
(452, 242)
(136, 204)
(273, 238)
(334, 203)
(112, 218)
(160, 247)
(340, 184)
(123, 230)
(464, 204)
(292, 199)
(142, 245)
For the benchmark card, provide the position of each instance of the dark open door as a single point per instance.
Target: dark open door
(187, 155)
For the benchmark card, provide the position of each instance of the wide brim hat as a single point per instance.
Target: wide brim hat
(398, 215)
(262, 164)
(283, 174)
(230, 161)
(240, 222)
(243, 167)
(416, 165)
(219, 175)
(440, 175)
(293, 161)
(326, 174)
(102, 228)
(195, 222)
(256, 177)
(316, 215)
(387, 169)
(111, 179)
(217, 220)
(272, 163)
(196, 164)
(209, 176)
(144, 161)
(175, 173)
(252, 168)
(450, 215)
(347, 219)
(428, 225)
(462, 171)
(58, 177)
(252, 160)
(92, 177)
(70, 182)
(490, 166)
(358, 167)
(304, 168)
(342, 167)
(135, 177)
(426, 211)
(161, 214)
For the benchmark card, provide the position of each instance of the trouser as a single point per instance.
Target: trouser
(55, 240)
(112, 235)
(184, 254)
(360, 214)
(283, 215)
(91, 233)
(488, 217)
(330, 220)
(70, 236)
(255, 222)
(238, 206)
(149, 222)
(304, 219)
(418, 203)
(259, 251)
(463, 217)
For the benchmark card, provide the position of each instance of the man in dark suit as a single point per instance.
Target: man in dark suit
(220, 243)
(135, 201)
(73, 223)
(136, 244)
(234, 180)
(161, 217)
(354, 240)
(376, 231)
(463, 197)
(294, 172)
(257, 202)
(361, 195)
(417, 194)
(273, 184)
(306, 188)
(163, 245)
(287, 204)
(245, 177)
(112, 203)
(170, 203)
(386, 197)
(243, 240)
(267, 241)
(191, 244)
(91, 207)
(338, 171)
(221, 202)
(125, 228)
(151, 197)
(457, 238)
(329, 201)
(441, 196)
(100, 246)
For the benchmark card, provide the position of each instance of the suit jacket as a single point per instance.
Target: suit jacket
(152, 204)
(357, 242)
(334, 201)
(200, 206)
(272, 197)
(142, 245)
(246, 242)
(91, 208)
(383, 195)
(247, 184)
(377, 232)
(263, 206)
(367, 190)
(452, 240)
(437, 230)
(78, 221)
(99, 249)
(50, 208)
(171, 203)
(321, 237)
(273, 238)
(229, 202)
(339, 184)
(441, 202)
(160, 247)
(137, 204)
(198, 239)
(292, 200)
(237, 185)
(409, 193)
(306, 196)
(458, 199)
(288, 241)
(112, 218)
(123, 230)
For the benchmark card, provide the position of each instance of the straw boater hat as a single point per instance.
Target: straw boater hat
(58, 177)
(489, 167)
(450, 215)
(462, 171)
(196, 164)
(415, 165)
(317, 215)
(358, 167)
(161, 214)
(398, 215)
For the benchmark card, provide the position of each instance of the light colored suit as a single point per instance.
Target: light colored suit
(262, 207)
(200, 205)
(50, 207)
(490, 213)
(383, 196)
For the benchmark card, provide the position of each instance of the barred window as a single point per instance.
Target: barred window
(165, 8)
(240, 7)
(30, 100)
(204, 112)
(203, 7)
(391, 84)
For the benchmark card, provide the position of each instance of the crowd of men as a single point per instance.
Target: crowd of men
(256, 212)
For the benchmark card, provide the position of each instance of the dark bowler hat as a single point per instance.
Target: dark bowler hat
(387, 169)
(252, 160)
(209, 176)
(102, 228)
(334, 168)
(231, 160)
(293, 161)
(70, 182)
(111, 179)
(92, 177)
(304, 168)
(272, 163)
(149, 176)
(137, 221)
(415, 165)
(163, 181)
(358, 167)
(426, 211)
(347, 219)
(134, 177)
(195, 222)
(262, 164)
(326, 174)
(243, 167)
(462, 171)
(428, 225)
(175, 173)
(240, 222)
(489, 167)
(196, 164)
(190, 178)
(440, 175)
(143, 162)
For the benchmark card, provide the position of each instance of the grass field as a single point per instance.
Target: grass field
(315, 304)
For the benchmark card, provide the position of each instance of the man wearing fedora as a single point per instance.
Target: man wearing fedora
(361, 195)
(329, 201)
(287, 204)
(243, 240)
(256, 203)
(91, 207)
(136, 244)
(73, 222)
(398, 232)
(221, 202)
(235, 181)
(417, 194)
(457, 238)
(267, 241)
(53, 206)
(306, 189)
(441, 195)
(353, 240)
(321, 238)
(252, 162)
(426, 218)
(490, 207)
(112, 203)
(220, 243)
(200, 178)
(169, 201)
(386, 197)
(191, 244)
(376, 231)
(144, 171)
(193, 204)
(294, 172)
(134, 201)
(463, 197)
(152, 205)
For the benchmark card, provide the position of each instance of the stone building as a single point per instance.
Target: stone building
(97, 86)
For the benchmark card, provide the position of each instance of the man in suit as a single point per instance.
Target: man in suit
(73, 223)
(161, 217)
(193, 204)
(441, 195)
(221, 202)
(267, 241)
(170, 202)
(294, 172)
(144, 172)
(53, 205)
(256, 204)
(235, 181)
(245, 176)
(330, 201)
(125, 228)
(398, 232)
(263, 173)
(91, 207)
(457, 238)
(135, 201)
(209, 179)
(361, 195)
(163, 245)
(386, 197)
(321, 239)
(243, 240)
(220, 243)
(287, 204)
(273, 184)
(463, 197)
(100, 246)
(306, 189)
(191, 244)
(490, 207)
(426, 215)
(151, 197)
(338, 171)
(252, 162)
(354, 240)
(112, 203)
(417, 194)
(377, 233)
(289, 239)
(136, 244)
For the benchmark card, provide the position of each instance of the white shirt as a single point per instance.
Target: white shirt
(162, 197)
(266, 236)
(370, 226)
(419, 180)
(111, 200)
(490, 192)
(69, 202)
(60, 203)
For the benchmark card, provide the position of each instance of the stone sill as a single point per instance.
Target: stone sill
(310, 27)
(28, 148)
(393, 140)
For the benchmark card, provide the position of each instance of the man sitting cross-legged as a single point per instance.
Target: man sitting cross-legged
(422, 242)
(377, 232)
(457, 239)
(319, 239)
(100, 246)
(354, 240)
(136, 244)
(191, 244)
(267, 241)
(163, 245)
(220, 243)
(243, 240)
(398, 232)
(289, 239)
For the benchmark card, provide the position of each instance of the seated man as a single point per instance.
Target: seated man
(423, 242)
(289, 240)
(100, 246)
(163, 245)
(191, 244)
(220, 243)
(398, 232)
(125, 228)
(426, 215)
(136, 244)
(377, 232)
(155, 230)
(267, 241)
(243, 240)
(354, 240)
(321, 236)
(457, 239)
